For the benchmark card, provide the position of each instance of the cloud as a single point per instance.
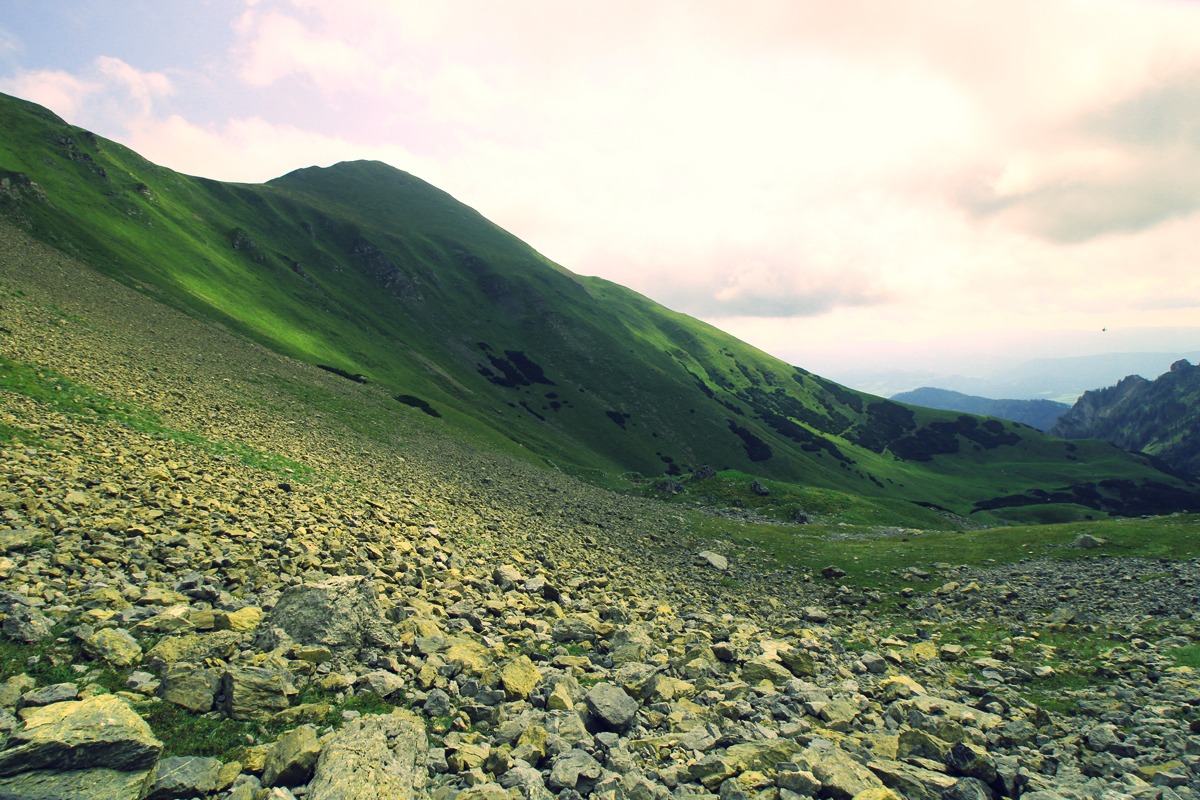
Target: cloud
(143, 87)
(10, 44)
(105, 90)
(59, 91)
(1125, 167)
(284, 46)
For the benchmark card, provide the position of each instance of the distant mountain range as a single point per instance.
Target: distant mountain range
(1059, 379)
(1160, 417)
(1040, 414)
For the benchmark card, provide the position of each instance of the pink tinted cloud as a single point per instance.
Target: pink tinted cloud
(59, 91)
(859, 161)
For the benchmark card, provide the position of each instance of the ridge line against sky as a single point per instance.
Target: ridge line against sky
(805, 175)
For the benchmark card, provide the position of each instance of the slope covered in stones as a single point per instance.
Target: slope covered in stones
(388, 282)
(265, 590)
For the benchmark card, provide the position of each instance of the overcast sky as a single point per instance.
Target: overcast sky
(809, 176)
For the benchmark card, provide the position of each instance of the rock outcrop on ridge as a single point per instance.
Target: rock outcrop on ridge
(1158, 417)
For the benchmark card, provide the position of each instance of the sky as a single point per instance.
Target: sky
(847, 185)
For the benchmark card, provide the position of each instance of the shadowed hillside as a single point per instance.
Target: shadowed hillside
(1040, 414)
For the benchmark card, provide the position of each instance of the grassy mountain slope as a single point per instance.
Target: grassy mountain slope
(378, 276)
(1040, 414)
(1159, 417)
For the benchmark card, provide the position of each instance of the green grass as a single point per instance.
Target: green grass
(1187, 656)
(792, 502)
(61, 394)
(869, 562)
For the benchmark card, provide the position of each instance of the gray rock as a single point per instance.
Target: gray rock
(1101, 737)
(611, 707)
(184, 776)
(874, 662)
(814, 614)
(913, 782)
(714, 560)
(372, 757)
(438, 704)
(506, 577)
(573, 629)
(101, 731)
(972, 761)
(800, 782)
(255, 691)
(968, 789)
(569, 767)
(22, 622)
(55, 693)
(192, 687)
(840, 775)
(291, 760)
(343, 614)
(382, 682)
(93, 784)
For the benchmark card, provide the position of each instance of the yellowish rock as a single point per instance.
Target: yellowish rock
(877, 793)
(519, 678)
(560, 699)
(244, 619)
(899, 687)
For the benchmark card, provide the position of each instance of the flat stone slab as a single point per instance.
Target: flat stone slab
(95, 784)
(100, 731)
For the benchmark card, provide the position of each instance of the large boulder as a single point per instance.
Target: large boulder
(194, 688)
(291, 760)
(100, 731)
(114, 645)
(611, 708)
(256, 691)
(840, 775)
(376, 756)
(343, 614)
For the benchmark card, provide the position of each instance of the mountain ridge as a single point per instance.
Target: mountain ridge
(1159, 417)
(1039, 414)
(374, 274)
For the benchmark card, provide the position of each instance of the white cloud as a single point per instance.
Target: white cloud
(143, 87)
(58, 91)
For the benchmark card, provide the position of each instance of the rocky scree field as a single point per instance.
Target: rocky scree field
(223, 579)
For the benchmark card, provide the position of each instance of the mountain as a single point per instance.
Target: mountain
(1059, 379)
(1040, 414)
(1159, 417)
(374, 275)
